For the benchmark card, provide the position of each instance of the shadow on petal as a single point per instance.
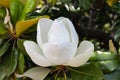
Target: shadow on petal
(36, 54)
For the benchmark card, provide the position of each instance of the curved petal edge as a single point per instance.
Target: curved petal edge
(84, 52)
(36, 54)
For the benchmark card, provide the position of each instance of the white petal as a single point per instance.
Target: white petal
(35, 53)
(84, 52)
(70, 27)
(43, 28)
(37, 73)
(59, 53)
(58, 32)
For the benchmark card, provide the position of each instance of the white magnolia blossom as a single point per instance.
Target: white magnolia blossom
(57, 44)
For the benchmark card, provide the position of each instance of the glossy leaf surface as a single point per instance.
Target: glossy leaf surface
(87, 72)
(8, 63)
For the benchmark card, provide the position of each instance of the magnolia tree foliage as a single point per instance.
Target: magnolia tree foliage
(59, 39)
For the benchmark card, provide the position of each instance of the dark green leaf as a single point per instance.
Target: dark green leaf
(108, 66)
(8, 63)
(65, 1)
(117, 34)
(13, 61)
(84, 4)
(2, 28)
(2, 74)
(5, 36)
(63, 78)
(87, 72)
(116, 7)
(115, 75)
(4, 48)
(20, 46)
(21, 63)
(1, 41)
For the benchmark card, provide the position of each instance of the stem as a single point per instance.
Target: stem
(64, 75)
(11, 27)
(57, 75)
(90, 19)
(14, 43)
(0, 59)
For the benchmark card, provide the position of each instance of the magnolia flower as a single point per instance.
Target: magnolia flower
(57, 44)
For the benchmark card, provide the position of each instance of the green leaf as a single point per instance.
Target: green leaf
(20, 46)
(3, 30)
(84, 4)
(36, 73)
(2, 74)
(14, 10)
(62, 78)
(1, 41)
(23, 1)
(21, 63)
(29, 6)
(4, 48)
(8, 63)
(2, 13)
(107, 61)
(103, 56)
(5, 36)
(109, 66)
(52, 2)
(116, 7)
(13, 61)
(87, 72)
(115, 75)
(117, 34)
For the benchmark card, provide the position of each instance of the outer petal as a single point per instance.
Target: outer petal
(70, 27)
(84, 52)
(59, 53)
(58, 32)
(43, 28)
(35, 53)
